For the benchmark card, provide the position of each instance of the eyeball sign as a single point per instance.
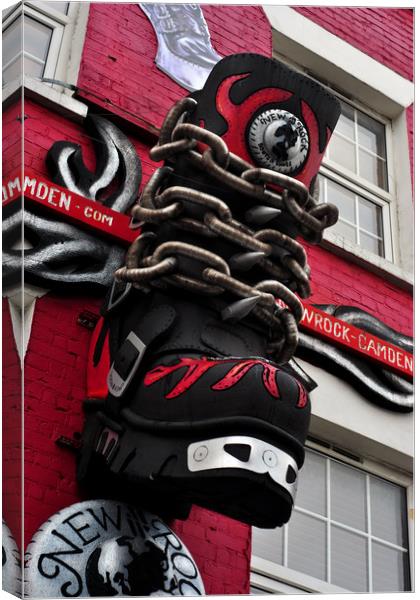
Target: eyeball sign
(279, 141)
(106, 548)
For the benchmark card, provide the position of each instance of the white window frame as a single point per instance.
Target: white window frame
(63, 59)
(9, 18)
(357, 184)
(385, 199)
(54, 20)
(277, 579)
(373, 88)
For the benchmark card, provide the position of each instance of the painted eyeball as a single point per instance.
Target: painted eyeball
(278, 140)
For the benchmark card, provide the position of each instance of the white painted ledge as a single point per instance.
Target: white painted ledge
(345, 417)
(299, 581)
(343, 65)
(336, 244)
(51, 96)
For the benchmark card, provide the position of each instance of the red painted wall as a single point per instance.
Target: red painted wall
(55, 387)
(12, 138)
(121, 72)
(11, 427)
(118, 62)
(385, 34)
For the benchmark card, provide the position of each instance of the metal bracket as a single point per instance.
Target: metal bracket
(114, 299)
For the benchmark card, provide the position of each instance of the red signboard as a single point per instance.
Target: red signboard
(68, 205)
(47, 195)
(358, 340)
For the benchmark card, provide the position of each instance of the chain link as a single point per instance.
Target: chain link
(197, 270)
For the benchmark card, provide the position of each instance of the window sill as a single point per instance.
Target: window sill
(46, 94)
(368, 261)
(276, 573)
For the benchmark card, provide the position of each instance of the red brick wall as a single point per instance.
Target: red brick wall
(55, 386)
(11, 373)
(11, 427)
(336, 281)
(116, 69)
(385, 34)
(118, 61)
(44, 127)
(12, 138)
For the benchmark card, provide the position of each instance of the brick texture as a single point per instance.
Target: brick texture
(385, 34)
(336, 281)
(118, 62)
(12, 138)
(55, 386)
(122, 73)
(11, 427)
(43, 128)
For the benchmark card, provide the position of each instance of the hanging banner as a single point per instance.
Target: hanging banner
(44, 194)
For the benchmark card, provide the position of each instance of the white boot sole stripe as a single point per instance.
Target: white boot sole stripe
(264, 458)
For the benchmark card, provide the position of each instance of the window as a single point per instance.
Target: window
(372, 131)
(355, 177)
(41, 27)
(348, 530)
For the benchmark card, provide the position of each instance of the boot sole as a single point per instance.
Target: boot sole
(241, 467)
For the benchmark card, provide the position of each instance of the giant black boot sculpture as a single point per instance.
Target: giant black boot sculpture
(201, 405)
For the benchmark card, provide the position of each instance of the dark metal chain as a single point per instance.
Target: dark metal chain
(279, 255)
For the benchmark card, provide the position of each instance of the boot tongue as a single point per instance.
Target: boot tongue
(268, 114)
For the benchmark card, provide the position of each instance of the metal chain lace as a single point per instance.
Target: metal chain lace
(279, 255)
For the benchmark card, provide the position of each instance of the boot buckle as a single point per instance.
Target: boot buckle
(126, 364)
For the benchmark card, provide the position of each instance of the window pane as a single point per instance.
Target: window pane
(349, 560)
(13, 71)
(373, 169)
(389, 512)
(370, 217)
(312, 488)
(307, 551)
(36, 38)
(12, 40)
(348, 496)
(348, 232)
(371, 134)
(343, 152)
(58, 6)
(268, 544)
(390, 569)
(344, 199)
(372, 244)
(33, 68)
(346, 124)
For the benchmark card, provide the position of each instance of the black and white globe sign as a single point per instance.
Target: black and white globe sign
(106, 548)
(278, 140)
